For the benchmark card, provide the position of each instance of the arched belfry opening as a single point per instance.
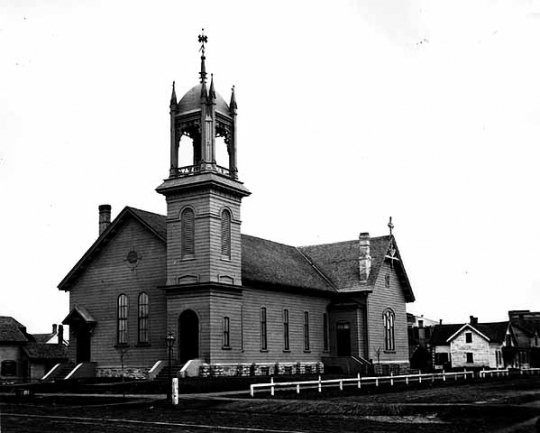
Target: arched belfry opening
(203, 116)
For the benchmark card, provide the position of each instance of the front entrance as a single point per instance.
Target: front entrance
(188, 331)
(83, 344)
(343, 339)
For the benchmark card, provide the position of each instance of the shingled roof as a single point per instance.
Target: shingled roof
(271, 263)
(12, 331)
(46, 351)
(339, 262)
(325, 268)
(494, 331)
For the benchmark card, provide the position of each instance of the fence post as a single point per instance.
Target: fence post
(320, 384)
(272, 386)
(391, 378)
(298, 388)
(420, 377)
(443, 376)
(175, 391)
(341, 385)
(359, 381)
(377, 381)
(407, 380)
(483, 372)
(251, 390)
(465, 373)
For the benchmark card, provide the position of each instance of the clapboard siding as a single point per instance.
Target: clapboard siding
(275, 303)
(110, 275)
(381, 299)
(207, 264)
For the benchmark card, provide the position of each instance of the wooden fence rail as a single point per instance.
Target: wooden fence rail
(378, 380)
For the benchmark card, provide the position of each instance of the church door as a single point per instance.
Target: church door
(188, 324)
(83, 344)
(343, 339)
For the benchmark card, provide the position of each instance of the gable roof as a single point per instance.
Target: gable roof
(79, 314)
(494, 332)
(324, 268)
(12, 331)
(155, 223)
(43, 338)
(339, 262)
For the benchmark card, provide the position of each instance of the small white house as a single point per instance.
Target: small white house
(471, 345)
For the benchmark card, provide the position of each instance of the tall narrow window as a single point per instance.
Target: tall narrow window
(187, 234)
(143, 318)
(388, 324)
(326, 342)
(226, 234)
(122, 318)
(226, 333)
(306, 330)
(286, 345)
(264, 336)
(468, 337)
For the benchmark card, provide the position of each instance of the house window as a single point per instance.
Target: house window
(468, 337)
(264, 335)
(326, 342)
(226, 234)
(286, 345)
(388, 325)
(508, 340)
(143, 318)
(187, 233)
(387, 280)
(226, 333)
(470, 358)
(9, 368)
(122, 318)
(441, 358)
(306, 330)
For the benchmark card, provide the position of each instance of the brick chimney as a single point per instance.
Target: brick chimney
(54, 328)
(104, 217)
(60, 334)
(364, 259)
(473, 321)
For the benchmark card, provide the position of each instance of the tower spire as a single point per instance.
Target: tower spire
(232, 105)
(203, 39)
(173, 95)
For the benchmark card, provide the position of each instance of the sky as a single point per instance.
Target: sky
(349, 112)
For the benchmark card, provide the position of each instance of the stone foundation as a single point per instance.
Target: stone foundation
(388, 369)
(127, 372)
(260, 369)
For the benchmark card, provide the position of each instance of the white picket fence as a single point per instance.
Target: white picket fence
(377, 380)
(358, 381)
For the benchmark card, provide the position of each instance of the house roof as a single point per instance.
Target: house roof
(494, 332)
(43, 338)
(45, 351)
(12, 331)
(325, 268)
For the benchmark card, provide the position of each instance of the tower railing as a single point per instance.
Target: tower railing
(203, 167)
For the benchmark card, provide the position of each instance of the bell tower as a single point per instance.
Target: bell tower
(203, 198)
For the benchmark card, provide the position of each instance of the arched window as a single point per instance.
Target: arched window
(122, 319)
(187, 233)
(143, 318)
(226, 333)
(226, 234)
(388, 324)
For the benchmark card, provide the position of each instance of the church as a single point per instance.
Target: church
(231, 303)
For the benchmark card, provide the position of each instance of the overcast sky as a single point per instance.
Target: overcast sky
(349, 112)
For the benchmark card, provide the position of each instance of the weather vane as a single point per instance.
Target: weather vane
(203, 39)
